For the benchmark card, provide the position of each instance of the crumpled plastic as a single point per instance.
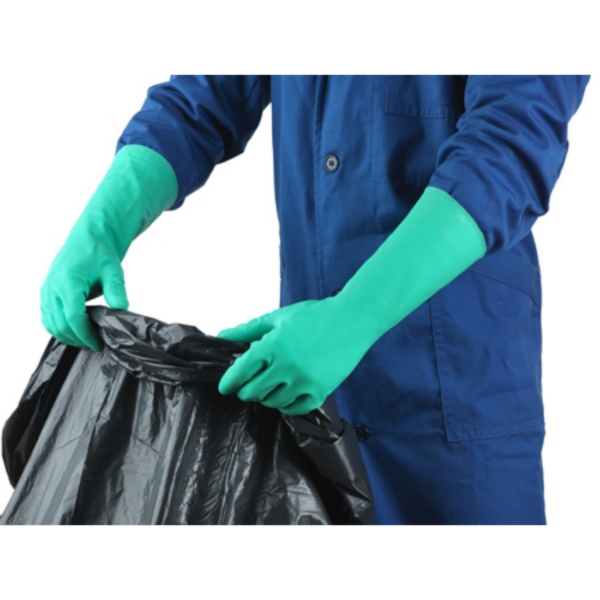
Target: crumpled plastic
(139, 434)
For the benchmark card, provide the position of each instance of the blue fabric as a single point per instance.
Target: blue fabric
(451, 396)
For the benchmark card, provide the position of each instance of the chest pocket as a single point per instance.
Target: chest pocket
(413, 116)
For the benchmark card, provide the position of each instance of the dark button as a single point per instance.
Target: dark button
(332, 162)
(336, 292)
(362, 433)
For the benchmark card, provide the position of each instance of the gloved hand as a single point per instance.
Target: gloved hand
(139, 185)
(305, 351)
(301, 353)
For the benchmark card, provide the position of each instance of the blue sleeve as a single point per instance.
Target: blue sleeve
(507, 153)
(196, 122)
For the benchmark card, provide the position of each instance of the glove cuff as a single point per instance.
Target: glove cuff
(435, 243)
(139, 185)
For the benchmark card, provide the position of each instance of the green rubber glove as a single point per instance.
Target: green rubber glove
(139, 185)
(301, 353)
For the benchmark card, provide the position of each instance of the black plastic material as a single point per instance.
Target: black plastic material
(139, 434)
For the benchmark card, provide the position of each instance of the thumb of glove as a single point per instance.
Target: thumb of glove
(113, 286)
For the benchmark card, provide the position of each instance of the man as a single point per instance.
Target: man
(410, 280)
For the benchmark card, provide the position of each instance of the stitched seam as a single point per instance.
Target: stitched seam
(258, 78)
(465, 435)
(320, 92)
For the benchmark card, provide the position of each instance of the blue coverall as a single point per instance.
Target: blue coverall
(447, 405)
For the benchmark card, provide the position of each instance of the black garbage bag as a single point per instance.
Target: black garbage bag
(139, 434)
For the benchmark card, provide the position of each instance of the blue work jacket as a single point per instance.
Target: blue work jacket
(352, 156)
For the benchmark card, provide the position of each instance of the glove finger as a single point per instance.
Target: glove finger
(79, 322)
(46, 313)
(259, 386)
(256, 328)
(113, 287)
(301, 406)
(247, 366)
(280, 397)
(251, 331)
(48, 323)
(58, 326)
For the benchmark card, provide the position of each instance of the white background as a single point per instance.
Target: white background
(65, 96)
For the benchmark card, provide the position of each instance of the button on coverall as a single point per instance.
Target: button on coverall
(447, 403)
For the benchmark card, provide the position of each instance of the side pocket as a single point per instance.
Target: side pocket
(487, 333)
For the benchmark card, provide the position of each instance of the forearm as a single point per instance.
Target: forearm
(435, 243)
(138, 187)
